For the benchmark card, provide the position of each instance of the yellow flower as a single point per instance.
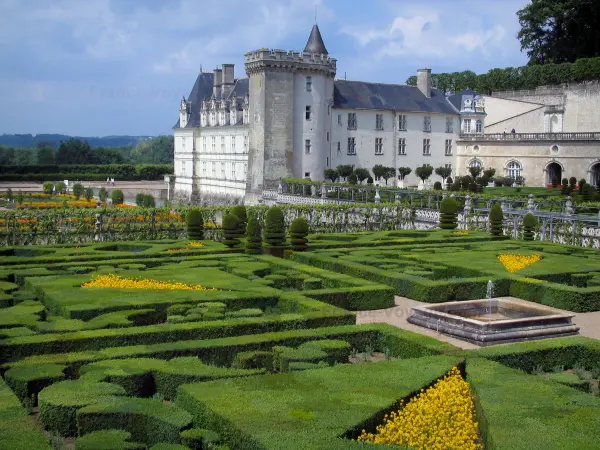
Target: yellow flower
(513, 263)
(116, 281)
(441, 417)
(460, 233)
(196, 244)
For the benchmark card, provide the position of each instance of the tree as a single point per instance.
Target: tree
(344, 171)
(558, 31)
(475, 171)
(403, 172)
(361, 174)
(378, 171)
(231, 230)
(254, 236)
(48, 187)
(102, 194)
(443, 172)
(331, 174)
(448, 214)
(388, 172)
(352, 178)
(572, 183)
(61, 187)
(117, 196)
(78, 190)
(88, 194)
(274, 235)
(240, 212)
(437, 186)
(424, 172)
(74, 151)
(299, 229)
(195, 224)
(45, 155)
(529, 224)
(489, 173)
(496, 218)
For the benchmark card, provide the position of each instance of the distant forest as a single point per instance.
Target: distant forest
(54, 140)
(71, 151)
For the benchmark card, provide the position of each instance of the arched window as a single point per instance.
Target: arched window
(479, 126)
(475, 163)
(513, 170)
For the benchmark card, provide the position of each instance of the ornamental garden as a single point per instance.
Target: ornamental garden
(252, 342)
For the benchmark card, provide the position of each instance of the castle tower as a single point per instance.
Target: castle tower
(291, 94)
(184, 113)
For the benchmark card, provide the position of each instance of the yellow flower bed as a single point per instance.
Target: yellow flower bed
(116, 281)
(512, 263)
(195, 244)
(460, 233)
(442, 417)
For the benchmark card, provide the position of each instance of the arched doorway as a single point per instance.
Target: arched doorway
(595, 174)
(553, 170)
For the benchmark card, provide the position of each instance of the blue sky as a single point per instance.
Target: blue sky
(111, 67)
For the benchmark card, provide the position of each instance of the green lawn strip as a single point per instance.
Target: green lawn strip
(27, 313)
(17, 431)
(18, 347)
(222, 351)
(107, 440)
(311, 409)
(148, 420)
(521, 411)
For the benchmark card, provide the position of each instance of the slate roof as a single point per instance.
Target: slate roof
(394, 97)
(315, 42)
(202, 90)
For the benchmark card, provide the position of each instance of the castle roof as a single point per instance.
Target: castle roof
(315, 42)
(395, 97)
(458, 100)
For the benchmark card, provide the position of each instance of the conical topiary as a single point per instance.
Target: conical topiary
(274, 235)
(496, 220)
(448, 214)
(298, 232)
(195, 224)
(253, 236)
(240, 212)
(529, 224)
(231, 230)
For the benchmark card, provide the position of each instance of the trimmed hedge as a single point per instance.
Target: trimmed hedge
(199, 438)
(28, 381)
(299, 230)
(231, 230)
(274, 235)
(195, 224)
(448, 214)
(149, 421)
(54, 172)
(239, 211)
(496, 218)
(107, 440)
(254, 236)
(529, 224)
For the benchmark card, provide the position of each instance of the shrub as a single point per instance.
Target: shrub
(274, 234)
(496, 218)
(298, 232)
(554, 181)
(117, 197)
(88, 193)
(61, 187)
(256, 359)
(47, 187)
(573, 183)
(27, 381)
(195, 224)
(370, 180)
(199, 438)
(352, 179)
(145, 200)
(587, 191)
(231, 230)
(437, 186)
(107, 440)
(240, 212)
(254, 236)
(102, 194)
(581, 183)
(78, 190)
(448, 214)
(529, 224)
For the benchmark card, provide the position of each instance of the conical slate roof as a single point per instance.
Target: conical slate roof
(315, 42)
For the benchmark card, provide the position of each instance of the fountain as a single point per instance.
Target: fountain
(494, 320)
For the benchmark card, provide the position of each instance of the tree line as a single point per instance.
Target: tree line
(76, 151)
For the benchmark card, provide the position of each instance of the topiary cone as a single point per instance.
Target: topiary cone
(240, 212)
(195, 224)
(254, 237)
(274, 234)
(448, 214)
(529, 224)
(231, 230)
(496, 220)
(299, 230)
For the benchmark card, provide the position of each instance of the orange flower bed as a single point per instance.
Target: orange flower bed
(57, 205)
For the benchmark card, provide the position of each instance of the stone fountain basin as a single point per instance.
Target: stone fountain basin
(494, 321)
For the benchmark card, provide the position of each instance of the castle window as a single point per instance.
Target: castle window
(214, 144)
(246, 144)
(204, 164)
(307, 175)
(339, 147)
(308, 84)
(479, 126)
(467, 127)
(204, 144)
(222, 144)
(232, 144)
(307, 146)
(379, 146)
(513, 170)
(245, 169)
(327, 163)
(379, 121)
(426, 147)
(449, 125)
(448, 149)
(402, 123)
(448, 166)
(308, 112)
(352, 121)
(351, 146)
(475, 163)
(427, 124)
(328, 136)
(402, 146)
(222, 170)
(233, 171)
(339, 119)
(214, 169)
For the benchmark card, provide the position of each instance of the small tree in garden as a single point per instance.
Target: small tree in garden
(370, 180)
(88, 193)
(240, 212)
(47, 187)
(581, 183)
(496, 220)
(117, 197)
(379, 171)
(554, 181)
(475, 171)
(274, 235)
(437, 186)
(344, 170)
(572, 183)
(443, 172)
(102, 194)
(195, 224)
(78, 190)
(298, 232)
(465, 181)
(9, 194)
(331, 175)
(231, 230)
(361, 174)
(61, 187)
(388, 172)
(448, 214)
(403, 172)
(424, 172)
(449, 182)
(20, 197)
(588, 193)
(489, 173)
(529, 224)
(254, 236)
(352, 179)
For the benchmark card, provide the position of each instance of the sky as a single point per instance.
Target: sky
(120, 67)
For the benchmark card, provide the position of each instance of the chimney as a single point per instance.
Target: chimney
(217, 82)
(228, 80)
(424, 81)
